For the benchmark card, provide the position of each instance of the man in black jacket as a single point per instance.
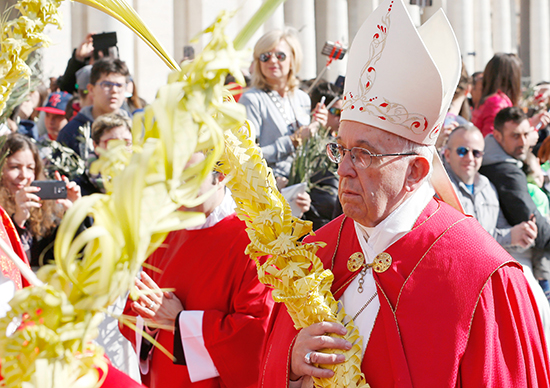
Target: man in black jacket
(505, 151)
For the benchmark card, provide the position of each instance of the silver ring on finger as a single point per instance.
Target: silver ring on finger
(307, 358)
(151, 305)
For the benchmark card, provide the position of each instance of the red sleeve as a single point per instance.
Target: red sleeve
(117, 379)
(484, 116)
(15, 241)
(241, 333)
(506, 346)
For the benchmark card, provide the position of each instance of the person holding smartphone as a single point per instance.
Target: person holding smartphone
(36, 220)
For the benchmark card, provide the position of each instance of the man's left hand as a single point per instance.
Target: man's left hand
(156, 307)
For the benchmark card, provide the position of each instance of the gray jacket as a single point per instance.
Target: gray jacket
(483, 205)
(272, 132)
(516, 204)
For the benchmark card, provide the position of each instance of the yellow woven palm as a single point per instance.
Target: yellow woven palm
(293, 270)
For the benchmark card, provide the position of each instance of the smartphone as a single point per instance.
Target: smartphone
(105, 43)
(51, 189)
(333, 50)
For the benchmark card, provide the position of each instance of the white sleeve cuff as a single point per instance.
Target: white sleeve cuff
(198, 360)
(143, 364)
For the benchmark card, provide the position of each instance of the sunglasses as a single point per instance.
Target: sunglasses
(335, 111)
(264, 57)
(463, 151)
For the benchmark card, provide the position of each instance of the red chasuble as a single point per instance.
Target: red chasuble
(455, 310)
(10, 236)
(118, 379)
(210, 272)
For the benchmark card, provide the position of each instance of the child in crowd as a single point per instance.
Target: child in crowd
(107, 127)
(535, 182)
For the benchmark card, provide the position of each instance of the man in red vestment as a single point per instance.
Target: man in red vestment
(215, 321)
(438, 302)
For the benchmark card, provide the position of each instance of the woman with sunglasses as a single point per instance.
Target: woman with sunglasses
(278, 110)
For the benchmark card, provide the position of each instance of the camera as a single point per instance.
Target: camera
(106, 43)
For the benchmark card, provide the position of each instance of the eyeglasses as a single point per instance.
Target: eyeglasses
(335, 111)
(264, 57)
(360, 157)
(463, 151)
(108, 85)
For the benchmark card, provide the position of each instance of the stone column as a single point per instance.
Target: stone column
(540, 41)
(461, 16)
(277, 20)
(428, 12)
(358, 11)
(79, 12)
(414, 12)
(56, 56)
(300, 14)
(502, 22)
(331, 26)
(245, 11)
(150, 72)
(483, 43)
(99, 22)
(525, 37)
(180, 28)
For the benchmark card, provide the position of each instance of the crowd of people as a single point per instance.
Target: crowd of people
(473, 292)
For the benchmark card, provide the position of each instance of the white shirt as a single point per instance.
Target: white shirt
(374, 241)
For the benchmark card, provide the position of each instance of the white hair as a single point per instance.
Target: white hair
(428, 152)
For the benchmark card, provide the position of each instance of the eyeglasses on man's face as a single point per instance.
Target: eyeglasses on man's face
(109, 86)
(360, 157)
(264, 57)
(463, 151)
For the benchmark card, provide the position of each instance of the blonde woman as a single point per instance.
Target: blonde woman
(279, 111)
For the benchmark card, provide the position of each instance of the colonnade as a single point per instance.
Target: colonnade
(482, 27)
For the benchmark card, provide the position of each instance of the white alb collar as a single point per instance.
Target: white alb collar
(224, 209)
(376, 239)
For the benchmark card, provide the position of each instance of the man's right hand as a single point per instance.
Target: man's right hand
(311, 340)
(524, 234)
(86, 49)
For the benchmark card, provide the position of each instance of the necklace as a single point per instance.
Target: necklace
(365, 305)
(363, 272)
(278, 101)
(361, 280)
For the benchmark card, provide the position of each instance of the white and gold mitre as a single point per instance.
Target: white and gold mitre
(399, 78)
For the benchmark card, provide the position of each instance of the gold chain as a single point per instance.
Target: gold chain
(365, 305)
(361, 280)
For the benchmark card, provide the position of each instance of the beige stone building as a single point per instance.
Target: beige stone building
(483, 27)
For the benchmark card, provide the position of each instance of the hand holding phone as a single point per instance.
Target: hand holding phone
(51, 189)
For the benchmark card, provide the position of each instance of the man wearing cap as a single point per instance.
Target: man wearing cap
(55, 114)
(449, 307)
(82, 81)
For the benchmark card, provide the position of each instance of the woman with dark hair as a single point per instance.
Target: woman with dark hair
(134, 103)
(36, 220)
(501, 89)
